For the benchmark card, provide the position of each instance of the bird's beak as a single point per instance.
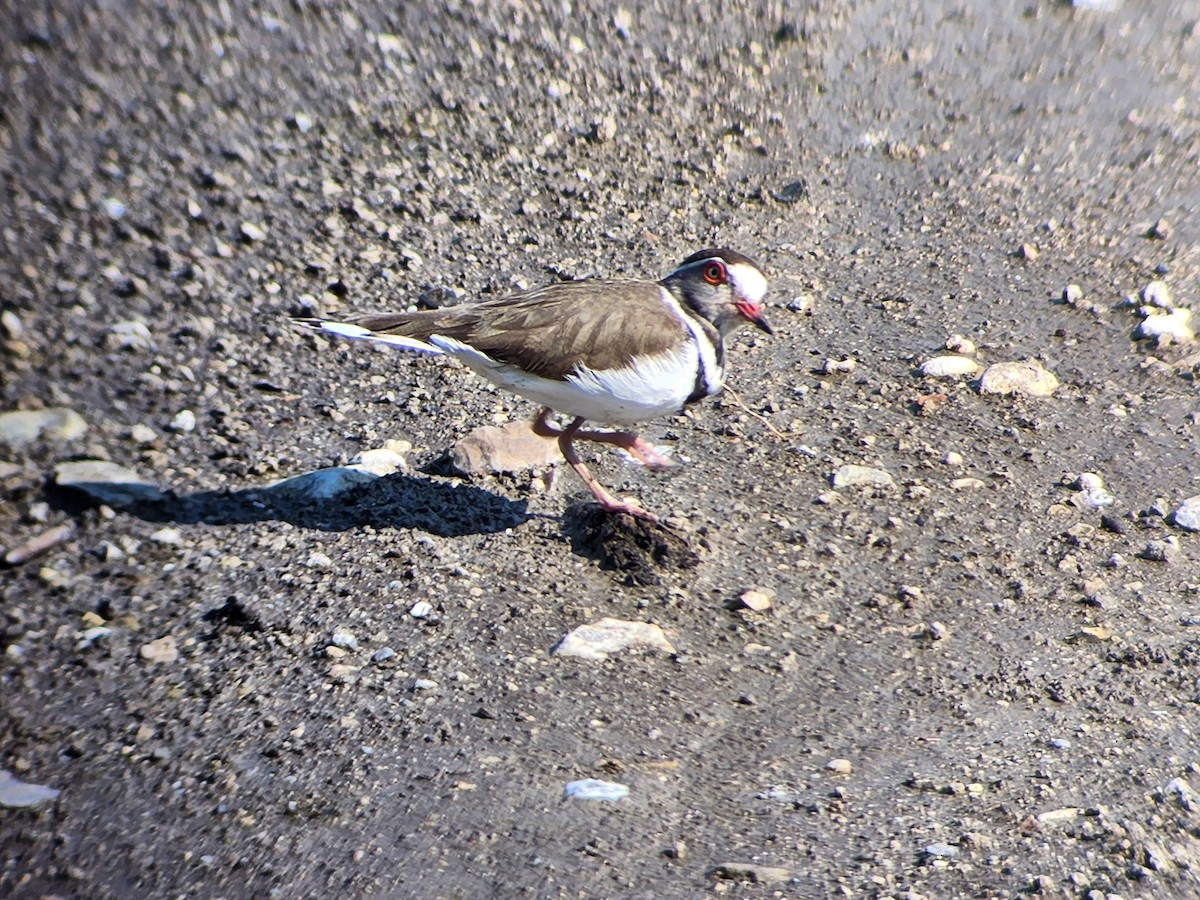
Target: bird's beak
(753, 313)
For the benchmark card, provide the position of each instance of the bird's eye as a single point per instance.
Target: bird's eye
(714, 273)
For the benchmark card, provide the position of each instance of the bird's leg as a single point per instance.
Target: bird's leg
(606, 500)
(641, 450)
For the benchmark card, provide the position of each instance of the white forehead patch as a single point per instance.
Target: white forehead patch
(748, 281)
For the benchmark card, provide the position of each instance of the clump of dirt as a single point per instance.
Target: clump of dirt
(644, 552)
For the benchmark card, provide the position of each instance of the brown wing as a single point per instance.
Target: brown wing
(551, 331)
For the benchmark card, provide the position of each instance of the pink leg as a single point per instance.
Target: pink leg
(566, 436)
(641, 450)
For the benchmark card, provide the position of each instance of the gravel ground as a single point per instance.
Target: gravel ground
(957, 669)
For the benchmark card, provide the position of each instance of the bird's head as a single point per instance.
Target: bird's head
(724, 287)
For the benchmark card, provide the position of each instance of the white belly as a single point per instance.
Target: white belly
(657, 386)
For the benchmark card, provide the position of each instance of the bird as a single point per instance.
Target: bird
(617, 352)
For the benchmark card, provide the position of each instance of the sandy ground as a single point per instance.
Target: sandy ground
(976, 680)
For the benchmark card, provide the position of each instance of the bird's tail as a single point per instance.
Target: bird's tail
(361, 333)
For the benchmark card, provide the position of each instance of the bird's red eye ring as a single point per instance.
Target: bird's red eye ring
(714, 273)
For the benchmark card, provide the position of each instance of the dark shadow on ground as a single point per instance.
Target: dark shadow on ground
(392, 501)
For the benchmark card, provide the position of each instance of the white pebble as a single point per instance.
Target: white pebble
(421, 609)
(1187, 516)
(183, 423)
(1168, 328)
(424, 684)
(1156, 293)
(1026, 377)
(957, 343)
(949, 367)
(595, 789)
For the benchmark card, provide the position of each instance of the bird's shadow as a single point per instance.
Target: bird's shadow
(390, 501)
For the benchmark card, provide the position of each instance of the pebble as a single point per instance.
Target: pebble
(598, 639)
(941, 851)
(512, 447)
(1092, 491)
(13, 327)
(131, 334)
(303, 123)
(1060, 743)
(422, 609)
(1157, 294)
(1166, 328)
(1027, 378)
(344, 639)
(953, 458)
(861, 476)
(1181, 792)
(424, 684)
(839, 766)
(20, 427)
(169, 536)
(36, 546)
(949, 367)
(1058, 816)
(252, 232)
(389, 43)
(839, 366)
(163, 650)
(595, 789)
(1072, 295)
(17, 794)
(383, 654)
(318, 560)
(143, 434)
(1161, 551)
(960, 344)
(1028, 252)
(736, 871)
(105, 482)
(967, 484)
(183, 423)
(757, 599)
(1187, 516)
(325, 484)
(91, 635)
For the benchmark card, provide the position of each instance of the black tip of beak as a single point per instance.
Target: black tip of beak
(762, 324)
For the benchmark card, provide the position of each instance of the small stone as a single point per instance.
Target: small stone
(839, 766)
(1181, 793)
(59, 424)
(183, 423)
(303, 122)
(941, 851)
(937, 631)
(802, 303)
(383, 654)
(1092, 634)
(161, 651)
(143, 434)
(424, 684)
(1161, 551)
(961, 345)
(604, 129)
(318, 560)
(1158, 295)
(252, 232)
(623, 22)
(335, 652)
(90, 635)
(170, 536)
(422, 609)
(861, 476)
(595, 789)
(344, 639)
(751, 872)
(1072, 295)
(114, 208)
(1167, 328)
(1060, 743)
(757, 599)
(503, 448)
(1160, 230)
(949, 367)
(597, 640)
(12, 326)
(36, 546)
(17, 794)
(1027, 378)
(389, 43)
(1187, 516)
(105, 482)
(967, 484)
(839, 366)
(1092, 492)
(129, 335)
(1059, 816)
